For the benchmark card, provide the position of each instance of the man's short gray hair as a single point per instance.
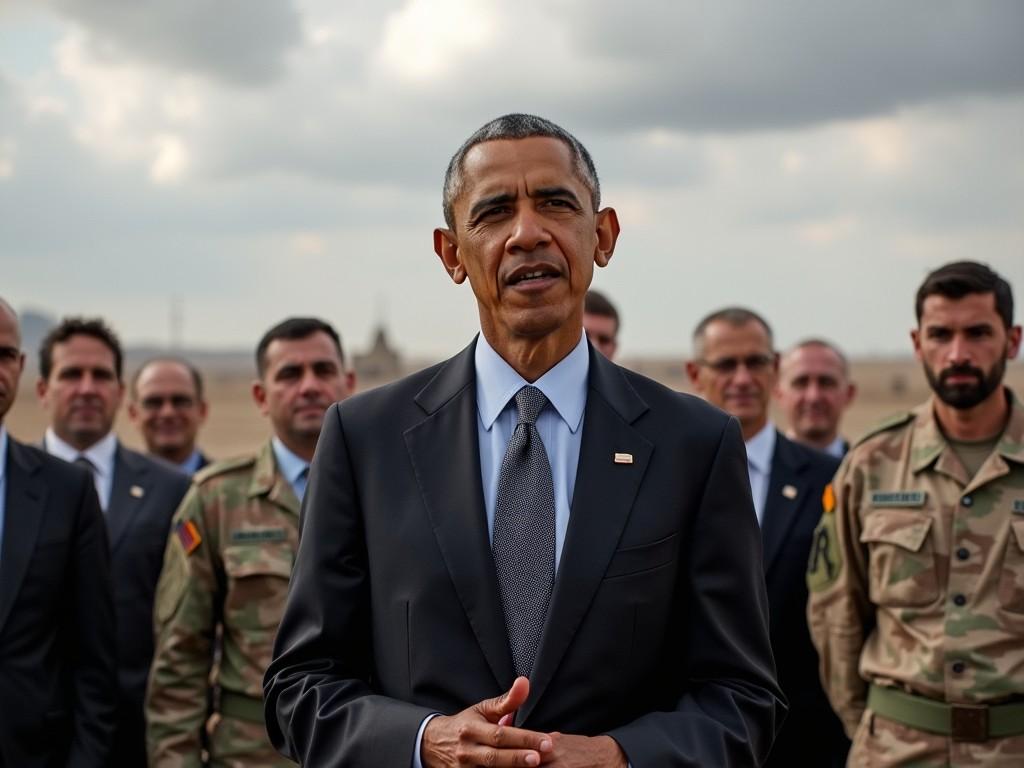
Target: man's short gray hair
(518, 126)
(734, 316)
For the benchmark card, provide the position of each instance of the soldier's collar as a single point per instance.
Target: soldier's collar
(264, 473)
(929, 443)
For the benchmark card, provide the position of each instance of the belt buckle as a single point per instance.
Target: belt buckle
(968, 722)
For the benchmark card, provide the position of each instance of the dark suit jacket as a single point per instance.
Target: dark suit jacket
(812, 734)
(57, 663)
(143, 499)
(657, 629)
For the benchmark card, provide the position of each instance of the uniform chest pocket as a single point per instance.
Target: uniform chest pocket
(1011, 577)
(257, 576)
(902, 558)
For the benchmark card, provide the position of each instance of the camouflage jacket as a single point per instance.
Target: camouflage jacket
(916, 571)
(228, 561)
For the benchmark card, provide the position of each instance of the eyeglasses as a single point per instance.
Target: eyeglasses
(727, 365)
(156, 402)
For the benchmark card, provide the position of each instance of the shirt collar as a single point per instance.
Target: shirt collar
(565, 385)
(288, 462)
(3, 451)
(191, 465)
(837, 447)
(100, 454)
(761, 447)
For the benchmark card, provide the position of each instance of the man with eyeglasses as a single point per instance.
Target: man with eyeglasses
(735, 367)
(168, 407)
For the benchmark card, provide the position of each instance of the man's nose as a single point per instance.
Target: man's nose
(742, 374)
(87, 384)
(529, 231)
(959, 351)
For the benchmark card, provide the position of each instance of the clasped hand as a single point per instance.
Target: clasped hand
(481, 736)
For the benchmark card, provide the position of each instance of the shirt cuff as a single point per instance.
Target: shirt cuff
(417, 762)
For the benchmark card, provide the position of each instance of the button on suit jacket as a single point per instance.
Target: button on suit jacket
(657, 628)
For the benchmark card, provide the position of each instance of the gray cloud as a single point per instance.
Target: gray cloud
(242, 42)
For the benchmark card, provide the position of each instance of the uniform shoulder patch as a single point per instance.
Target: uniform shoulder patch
(885, 425)
(223, 467)
(826, 561)
(189, 536)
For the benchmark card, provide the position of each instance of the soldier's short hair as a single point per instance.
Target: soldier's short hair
(79, 326)
(960, 278)
(734, 316)
(197, 377)
(291, 329)
(518, 126)
(596, 303)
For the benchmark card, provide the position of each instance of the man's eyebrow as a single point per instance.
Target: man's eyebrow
(480, 205)
(547, 192)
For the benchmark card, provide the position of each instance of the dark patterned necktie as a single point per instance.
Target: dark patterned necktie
(524, 532)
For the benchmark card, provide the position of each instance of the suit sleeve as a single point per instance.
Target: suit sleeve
(729, 705)
(90, 626)
(185, 621)
(319, 703)
(839, 612)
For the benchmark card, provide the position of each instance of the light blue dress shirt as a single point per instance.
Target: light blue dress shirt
(191, 465)
(3, 482)
(295, 469)
(560, 426)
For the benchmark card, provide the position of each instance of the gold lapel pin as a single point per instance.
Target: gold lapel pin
(137, 491)
(623, 458)
(789, 491)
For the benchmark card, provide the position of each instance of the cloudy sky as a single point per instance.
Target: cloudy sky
(258, 158)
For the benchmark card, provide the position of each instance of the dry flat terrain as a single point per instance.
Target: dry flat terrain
(235, 426)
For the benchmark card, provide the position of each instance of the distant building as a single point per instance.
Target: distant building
(379, 364)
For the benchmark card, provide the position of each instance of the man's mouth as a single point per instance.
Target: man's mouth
(532, 275)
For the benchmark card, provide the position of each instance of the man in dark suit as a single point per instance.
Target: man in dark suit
(525, 553)
(57, 666)
(166, 402)
(81, 388)
(734, 366)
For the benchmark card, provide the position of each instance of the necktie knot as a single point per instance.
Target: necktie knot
(83, 461)
(530, 401)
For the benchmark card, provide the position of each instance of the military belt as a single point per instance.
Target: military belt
(961, 722)
(241, 707)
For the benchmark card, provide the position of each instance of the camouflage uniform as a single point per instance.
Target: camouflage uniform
(228, 563)
(917, 584)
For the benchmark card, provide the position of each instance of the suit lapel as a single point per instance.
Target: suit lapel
(23, 513)
(445, 454)
(787, 491)
(602, 500)
(127, 495)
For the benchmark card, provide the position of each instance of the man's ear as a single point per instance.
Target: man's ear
(1013, 342)
(447, 249)
(692, 372)
(915, 338)
(259, 396)
(607, 235)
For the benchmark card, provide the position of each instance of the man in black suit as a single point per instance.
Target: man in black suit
(735, 366)
(81, 388)
(462, 595)
(57, 666)
(166, 402)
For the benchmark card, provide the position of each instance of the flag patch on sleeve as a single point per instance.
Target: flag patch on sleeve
(189, 536)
